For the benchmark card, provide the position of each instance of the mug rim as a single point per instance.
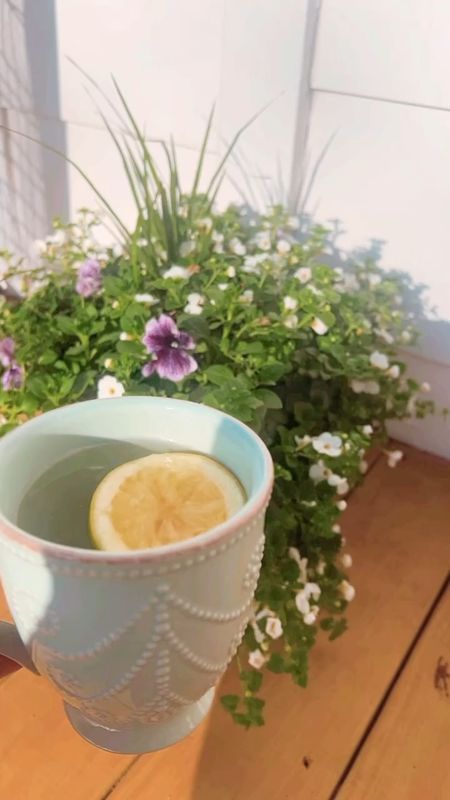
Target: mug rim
(251, 508)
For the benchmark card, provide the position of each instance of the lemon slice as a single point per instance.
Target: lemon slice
(161, 499)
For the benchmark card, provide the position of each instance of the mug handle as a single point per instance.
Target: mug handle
(13, 653)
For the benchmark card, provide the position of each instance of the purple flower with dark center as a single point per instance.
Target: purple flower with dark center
(7, 350)
(89, 278)
(169, 346)
(12, 377)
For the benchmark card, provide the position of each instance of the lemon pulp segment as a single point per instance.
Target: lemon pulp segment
(160, 499)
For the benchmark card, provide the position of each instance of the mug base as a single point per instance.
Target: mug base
(145, 738)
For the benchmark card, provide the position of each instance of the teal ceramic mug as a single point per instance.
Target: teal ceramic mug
(134, 642)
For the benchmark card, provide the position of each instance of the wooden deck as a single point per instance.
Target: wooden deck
(374, 723)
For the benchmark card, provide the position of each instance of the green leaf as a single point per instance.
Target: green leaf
(219, 374)
(230, 701)
(130, 348)
(67, 325)
(271, 373)
(270, 399)
(81, 383)
(38, 386)
(252, 679)
(250, 348)
(338, 629)
(48, 357)
(276, 663)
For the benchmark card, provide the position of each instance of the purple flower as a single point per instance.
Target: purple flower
(170, 346)
(12, 377)
(7, 350)
(89, 278)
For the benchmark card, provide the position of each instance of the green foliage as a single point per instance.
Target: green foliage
(283, 342)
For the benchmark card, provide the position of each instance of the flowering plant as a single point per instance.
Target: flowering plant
(239, 311)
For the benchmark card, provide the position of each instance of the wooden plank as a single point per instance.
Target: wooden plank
(41, 756)
(407, 754)
(310, 735)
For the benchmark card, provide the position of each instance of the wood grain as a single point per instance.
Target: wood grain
(407, 754)
(397, 531)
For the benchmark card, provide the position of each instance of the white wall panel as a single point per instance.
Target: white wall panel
(165, 55)
(386, 176)
(390, 48)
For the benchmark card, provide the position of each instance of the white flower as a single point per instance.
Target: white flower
(218, 248)
(351, 283)
(57, 238)
(176, 273)
(363, 466)
(302, 602)
(256, 659)
(327, 444)
(405, 336)
(290, 303)
(379, 360)
(283, 247)
(343, 487)
(194, 304)
(374, 280)
(302, 563)
(318, 326)
(237, 247)
(222, 286)
(231, 272)
(383, 334)
(142, 242)
(108, 363)
(186, 248)
(125, 337)
(291, 321)
(259, 636)
(247, 296)
(262, 240)
(39, 246)
(303, 274)
(394, 371)
(368, 387)
(115, 304)
(310, 618)
(108, 387)
(274, 628)
(293, 223)
(145, 298)
(336, 528)
(217, 237)
(367, 430)
(347, 590)
(183, 211)
(371, 387)
(251, 264)
(394, 457)
(302, 441)
(205, 224)
(320, 569)
(319, 472)
(312, 590)
(425, 387)
(346, 560)
(3, 420)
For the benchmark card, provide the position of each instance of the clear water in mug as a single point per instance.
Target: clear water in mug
(56, 506)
